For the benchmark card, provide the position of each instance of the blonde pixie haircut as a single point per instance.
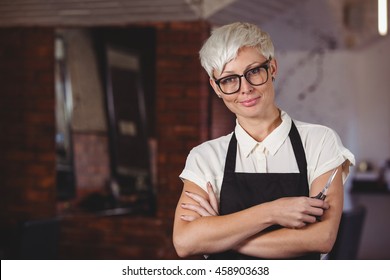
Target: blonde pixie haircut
(225, 42)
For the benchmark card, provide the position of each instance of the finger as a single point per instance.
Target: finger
(196, 208)
(326, 205)
(309, 219)
(300, 225)
(202, 202)
(314, 211)
(188, 218)
(212, 198)
(297, 225)
(318, 203)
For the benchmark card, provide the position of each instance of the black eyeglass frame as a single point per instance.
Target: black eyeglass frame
(265, 66)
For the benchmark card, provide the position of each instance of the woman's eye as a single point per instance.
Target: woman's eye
(254, 71)
(228, 80)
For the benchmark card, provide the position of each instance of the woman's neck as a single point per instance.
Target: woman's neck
(260, 128)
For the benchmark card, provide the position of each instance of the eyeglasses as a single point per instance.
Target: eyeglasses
(255, 76)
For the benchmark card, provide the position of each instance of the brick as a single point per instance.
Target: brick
(27, 105)
(29, 135)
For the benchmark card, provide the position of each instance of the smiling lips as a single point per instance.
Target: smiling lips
(250, 102)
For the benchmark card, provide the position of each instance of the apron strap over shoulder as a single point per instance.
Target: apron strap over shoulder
(297, 146)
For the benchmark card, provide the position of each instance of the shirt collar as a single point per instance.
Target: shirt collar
(271, 143)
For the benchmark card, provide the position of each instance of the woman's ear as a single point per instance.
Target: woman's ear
(215, 88)
(274, 68)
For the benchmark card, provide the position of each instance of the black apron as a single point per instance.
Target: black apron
(243, 190)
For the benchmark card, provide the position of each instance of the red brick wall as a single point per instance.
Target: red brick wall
(222, 120)
(27, 148)
(182, 105)
(114, 237)
(27, 145)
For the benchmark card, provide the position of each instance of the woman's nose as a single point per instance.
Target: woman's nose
(246, 87)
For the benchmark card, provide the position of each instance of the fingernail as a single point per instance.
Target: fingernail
(183, 204)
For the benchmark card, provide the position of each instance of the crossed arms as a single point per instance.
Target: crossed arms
(198, 229)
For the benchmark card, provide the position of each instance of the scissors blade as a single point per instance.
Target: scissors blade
(331, 177)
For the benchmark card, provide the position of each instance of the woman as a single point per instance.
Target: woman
(248, 194)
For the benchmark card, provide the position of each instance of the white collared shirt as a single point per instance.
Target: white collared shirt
(323, 148)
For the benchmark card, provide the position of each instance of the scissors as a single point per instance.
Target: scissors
(322, 194)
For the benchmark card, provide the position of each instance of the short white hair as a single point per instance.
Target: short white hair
(225, 42)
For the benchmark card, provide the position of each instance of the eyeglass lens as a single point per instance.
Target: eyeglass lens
(255, 76)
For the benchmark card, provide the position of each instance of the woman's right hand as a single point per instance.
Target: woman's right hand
(296, 212)
(204, 207)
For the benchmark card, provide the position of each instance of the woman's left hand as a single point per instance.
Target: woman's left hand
(205, 207)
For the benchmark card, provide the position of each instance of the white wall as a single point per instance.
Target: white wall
(373, 100)
(320, 80)
(346, 90)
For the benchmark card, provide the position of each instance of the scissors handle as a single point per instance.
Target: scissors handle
(320, 196)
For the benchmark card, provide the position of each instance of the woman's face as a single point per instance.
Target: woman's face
(250, 101)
